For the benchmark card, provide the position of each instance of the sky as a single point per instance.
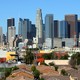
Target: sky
(27, 9)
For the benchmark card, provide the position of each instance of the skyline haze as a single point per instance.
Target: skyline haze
(27, 9)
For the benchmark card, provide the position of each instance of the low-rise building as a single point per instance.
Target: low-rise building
(7, 55)
(57, 42)
(58, 62)
(47, 70)
(67, 42)
(20, 74)
(23, 73)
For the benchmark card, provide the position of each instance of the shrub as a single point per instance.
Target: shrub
(33, 68)
(56, 68)
(42, 79)
(14, 68)
(63, 72)
(51, 64)
(43, 63)
(36, 74)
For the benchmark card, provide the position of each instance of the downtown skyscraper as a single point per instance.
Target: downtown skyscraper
(11, 35)
(24, 28)
(72, 24)
(39, 26)
(10, 23)
(49, 30)
(63, 31)
(20, 26)
(11, 31)
(56, 28)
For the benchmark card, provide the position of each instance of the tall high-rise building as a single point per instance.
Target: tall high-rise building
(39, 25)
(28, 25)
(72, 23)
(10, 23)
(78, 29)
(29, 29)
(56, 23)
(20, 26)
(1, 36)
(43, 33)
(63, 31)
(78, 33)
(24, 28)
(33, 31)
(11, 35)
(49, 28)
(4, 39)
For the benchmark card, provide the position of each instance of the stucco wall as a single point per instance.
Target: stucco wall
(58, 62)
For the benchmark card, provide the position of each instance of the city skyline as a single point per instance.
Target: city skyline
(27, 9)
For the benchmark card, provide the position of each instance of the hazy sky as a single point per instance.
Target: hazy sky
(27, 9)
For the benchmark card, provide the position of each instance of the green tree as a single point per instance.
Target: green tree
(33, 68)
(14, 68)
(65, 57)
(56, 68)
(8, 71)
(43, 63)
(63, 72)
(48, 56)
(36, 74)
(29, 57)
(72, 62)
(51, 64)
(42, 79)
(75, 59)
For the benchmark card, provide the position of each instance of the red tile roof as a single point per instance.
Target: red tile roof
(47, 70)
(40, 60)
(20, 73)
(59, 54)
(25, 67)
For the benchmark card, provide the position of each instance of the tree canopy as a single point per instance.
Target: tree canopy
(75, 59)
(29, 57)
(48, 56)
